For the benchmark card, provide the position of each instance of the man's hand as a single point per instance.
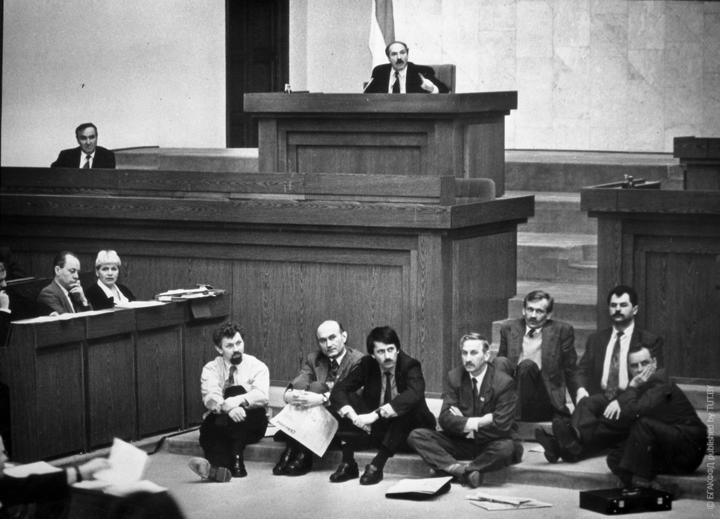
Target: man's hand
(305, 399)
(428, 85)
(364, 421)
(642, 377)
(237, 414)
(88, 470)
(76, 291)
(612, 411)
(581, 393)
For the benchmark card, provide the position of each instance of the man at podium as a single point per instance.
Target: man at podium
(403, 77)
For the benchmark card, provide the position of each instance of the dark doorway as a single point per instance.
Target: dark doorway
(256, 60)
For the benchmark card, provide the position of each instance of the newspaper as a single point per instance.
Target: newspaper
(314, 427)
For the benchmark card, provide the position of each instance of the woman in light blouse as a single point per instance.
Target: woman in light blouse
(107, 292)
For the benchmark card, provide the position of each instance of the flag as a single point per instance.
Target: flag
(382, 30)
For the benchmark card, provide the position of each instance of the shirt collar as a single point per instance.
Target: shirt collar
(627, 332)
(340, 357)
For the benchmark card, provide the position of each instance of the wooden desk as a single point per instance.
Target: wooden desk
(700, 160)
(461, 135)
(77, 383)
(665, 244)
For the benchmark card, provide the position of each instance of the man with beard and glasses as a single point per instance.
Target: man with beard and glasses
(391, 403)
(235, 388)
(477, 419)
(539, 353)
(603, 374)
(400, 76)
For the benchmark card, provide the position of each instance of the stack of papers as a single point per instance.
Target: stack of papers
(498, 502)
(181, 294)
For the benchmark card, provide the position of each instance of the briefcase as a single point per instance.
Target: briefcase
(612, 501)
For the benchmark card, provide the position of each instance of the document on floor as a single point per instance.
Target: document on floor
(499, 502)
(314, 427)
(418, 489)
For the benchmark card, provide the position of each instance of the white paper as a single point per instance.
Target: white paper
(139, 304)
(28, 469)
(144, 485)
(314, 427)
(127, 464)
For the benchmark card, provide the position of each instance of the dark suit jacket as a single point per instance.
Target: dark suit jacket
(5, 319)
(497, 396)
(559, 359)
(590, 367)
(381, 77)
(99, 301)
(52, 299)
(316, 366)
(104, 158)
(366, 374)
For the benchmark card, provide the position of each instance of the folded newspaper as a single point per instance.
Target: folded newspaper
(499, 502)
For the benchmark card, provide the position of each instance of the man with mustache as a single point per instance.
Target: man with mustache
(400, 76)
(331, 362)
(477, 418)
(603, 375)
(539, 353)
(235, 388)
(390, 403)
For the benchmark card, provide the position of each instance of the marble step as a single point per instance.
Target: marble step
(556, 212)
(562, 257)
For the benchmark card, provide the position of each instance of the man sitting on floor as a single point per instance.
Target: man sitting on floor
(235, 388)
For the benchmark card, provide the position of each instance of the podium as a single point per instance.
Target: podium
(460, 135)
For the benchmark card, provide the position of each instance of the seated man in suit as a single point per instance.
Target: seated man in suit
(603, 375)
(477, 418)
(88, 154)
(403, 77)
(331, 362)
(666, 435)
(390, 405)
(540, 354)
(65, 293)
(235, 389)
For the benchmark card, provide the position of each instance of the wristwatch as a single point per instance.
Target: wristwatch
(377, 412)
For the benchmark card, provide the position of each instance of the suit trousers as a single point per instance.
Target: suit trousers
(440, 451)
(222, 439)
(388, 433)
(654, 447)
(597, 432)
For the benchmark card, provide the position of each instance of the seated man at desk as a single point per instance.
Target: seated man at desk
(400, 76)
(65, 294)
(88, 155)
(235, 389)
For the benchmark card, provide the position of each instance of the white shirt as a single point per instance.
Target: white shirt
(251, 373)
(402, 77)
(624, 347)
(531, 346)
(113, 292)
(83, 157)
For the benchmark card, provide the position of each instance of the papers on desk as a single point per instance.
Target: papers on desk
(127, 466)
(314, 427)
(498, 502)
(139, 304)
(28, 469)
(182, 294)
(419, 489)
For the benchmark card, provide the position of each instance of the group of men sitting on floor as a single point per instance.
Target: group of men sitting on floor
(622, 401)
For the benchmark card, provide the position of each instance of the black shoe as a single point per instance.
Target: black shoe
(549, 443)
(237, 469)
(345, 472)
(371, 476)
(302, 464)
(568, 442)
(280, 467)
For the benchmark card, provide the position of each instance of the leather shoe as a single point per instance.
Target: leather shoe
(280, 467)
(549, 443)
(238, 467)
(568, 442)
(345, 472)
(473, 479)
(302, 464)
(371, 476)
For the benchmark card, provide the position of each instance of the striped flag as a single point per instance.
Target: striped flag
(382, 30)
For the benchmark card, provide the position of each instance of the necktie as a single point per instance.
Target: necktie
(611, 389)
(231, 377)
(532, 332)
(87, 162)
(396, 85)
(388, 388)
(475, 396)
(332, 374)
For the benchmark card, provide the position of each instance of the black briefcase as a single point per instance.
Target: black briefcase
(612, 501)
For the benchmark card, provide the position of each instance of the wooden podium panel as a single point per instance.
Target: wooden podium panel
(665, 244)
(73, 388)
(460, 135)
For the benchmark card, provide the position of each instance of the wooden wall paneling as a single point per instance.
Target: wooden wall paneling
(111, 389)
(486, 160)
(610, 254)
(268, 133)
(160, 388)
(59, 378)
